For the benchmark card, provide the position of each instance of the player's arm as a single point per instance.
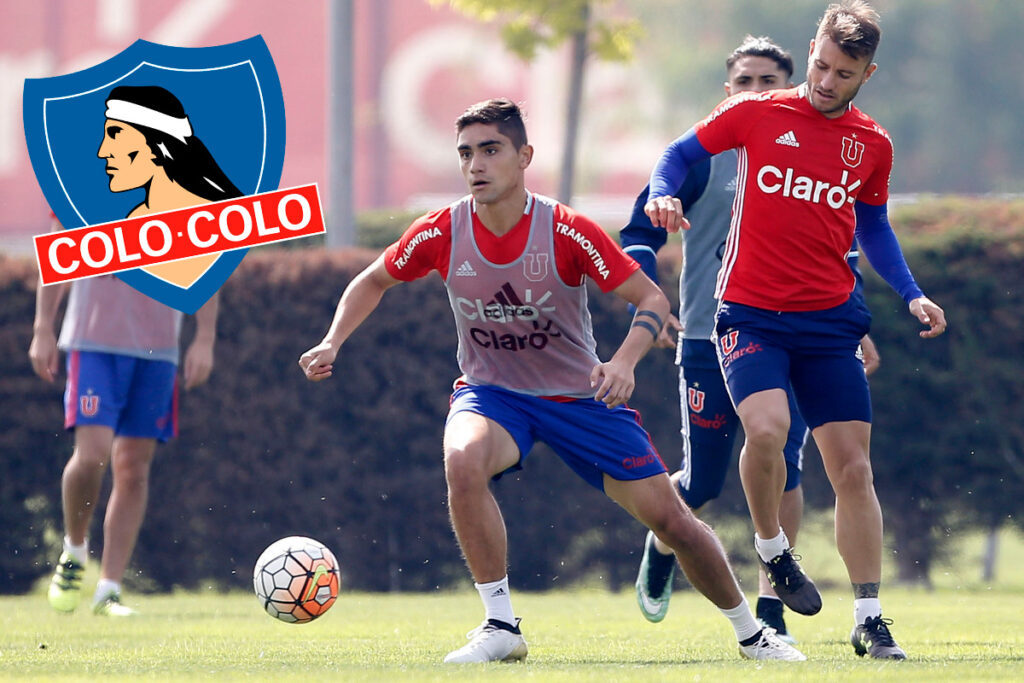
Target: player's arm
(879, 244)
(360, 299)
(614, 381)
(42, 350)
(663, 208)
(199, 357)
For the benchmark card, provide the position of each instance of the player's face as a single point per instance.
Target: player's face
(755, 74)
(834, 77)
(490, 163)
(129, 159)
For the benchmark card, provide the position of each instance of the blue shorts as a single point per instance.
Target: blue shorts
(590, 437)
(133, 396)
(710, 425)
(815, 352)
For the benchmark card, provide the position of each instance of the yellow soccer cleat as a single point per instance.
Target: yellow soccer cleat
(66, 585)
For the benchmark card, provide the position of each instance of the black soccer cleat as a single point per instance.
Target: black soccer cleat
(792, 586)
(769, 612)
(872, 638)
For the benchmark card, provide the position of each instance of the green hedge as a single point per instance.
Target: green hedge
(356, 461)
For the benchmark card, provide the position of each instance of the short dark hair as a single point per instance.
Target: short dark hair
(853, 26)
(500, 111)
(761, 46)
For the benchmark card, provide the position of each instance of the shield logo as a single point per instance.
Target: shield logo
(106, 142)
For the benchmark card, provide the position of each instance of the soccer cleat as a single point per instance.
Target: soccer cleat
(769, 646)
(66, 586)
(111, 606)
(654, 581)
(873, 638)
(791, 584)
(770, 613)
(491, 641)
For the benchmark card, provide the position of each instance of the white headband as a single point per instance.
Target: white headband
(129, 112)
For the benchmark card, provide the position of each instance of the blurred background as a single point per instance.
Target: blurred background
(372, 88)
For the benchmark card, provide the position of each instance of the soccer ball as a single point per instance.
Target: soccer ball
(296, 579)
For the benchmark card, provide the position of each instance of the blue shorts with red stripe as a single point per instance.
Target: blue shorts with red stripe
(710, 425)
(133, 396)
(815, 352)
(590, 437)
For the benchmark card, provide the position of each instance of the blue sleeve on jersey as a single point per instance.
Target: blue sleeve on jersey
(640, 239)
(883, 251)
(675, 162)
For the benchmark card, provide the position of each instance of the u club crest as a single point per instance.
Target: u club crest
(212, 118)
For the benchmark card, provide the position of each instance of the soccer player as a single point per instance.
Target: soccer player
(709, 423)
(812, 169)
(122, 347)
(515, 265)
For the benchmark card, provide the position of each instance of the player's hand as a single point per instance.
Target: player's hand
(669, 335)
(198, 363)
(928, 312)
(614, 383)
(43, 354)
(318, 363)
(666, 212)
(872, 359)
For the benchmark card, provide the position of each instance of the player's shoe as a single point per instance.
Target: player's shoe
(491, 641)
(66, 586)
(654, 581)
(873, 638)
(769, 613)
(769, 646)
(110, 606)
(792, 586)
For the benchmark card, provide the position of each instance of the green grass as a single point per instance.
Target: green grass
(573, 636)
(964, 630)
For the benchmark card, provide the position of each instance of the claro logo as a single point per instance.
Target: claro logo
(772, 179)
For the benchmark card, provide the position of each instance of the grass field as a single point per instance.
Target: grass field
(961, 631)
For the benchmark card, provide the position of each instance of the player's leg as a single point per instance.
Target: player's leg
(754, 352)
(708, 429)
(91, 408)
(80, 491)
(476, 449)
(654, 503)
(769, 608)
(126, 508)
(148, 415)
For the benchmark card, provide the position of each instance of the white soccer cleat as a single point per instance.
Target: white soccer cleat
(769, 646)
(110, 606)
(491, 641)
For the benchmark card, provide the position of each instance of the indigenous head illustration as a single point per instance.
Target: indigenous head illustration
(148, 142)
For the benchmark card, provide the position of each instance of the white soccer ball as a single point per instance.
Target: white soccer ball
(296, 579)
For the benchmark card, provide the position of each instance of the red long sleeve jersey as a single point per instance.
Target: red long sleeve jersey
(798, 176)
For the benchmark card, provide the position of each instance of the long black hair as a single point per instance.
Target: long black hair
(188, 163)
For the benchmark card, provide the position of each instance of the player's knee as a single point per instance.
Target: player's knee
(679, 531)
(465, 467)
(766, 432)
(854, 476)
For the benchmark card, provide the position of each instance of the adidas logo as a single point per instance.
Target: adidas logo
(465, 270)
(731, 185)
(788, 139)
(500, 591)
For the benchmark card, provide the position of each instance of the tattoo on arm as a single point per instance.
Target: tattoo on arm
(865, 590)
(647, 326)
(653, 316)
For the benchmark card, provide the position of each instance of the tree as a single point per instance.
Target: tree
(530, 25)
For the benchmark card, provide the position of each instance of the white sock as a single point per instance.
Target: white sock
(104, 587)
(497, 601)
(742, 620)
(79, 552)
(865, 608)
(771, 547)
